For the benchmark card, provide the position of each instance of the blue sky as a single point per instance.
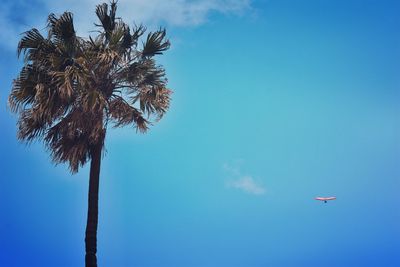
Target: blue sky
(275, 103)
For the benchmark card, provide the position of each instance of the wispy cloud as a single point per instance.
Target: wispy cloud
(179, 13)
(172, 12)
(231, 169)
(245, 182)
(17, 17)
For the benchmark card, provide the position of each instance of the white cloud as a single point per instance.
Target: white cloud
(231, 169)
(179, 13)
(14, 23)
(247, 184)
(9, 35)
(152, 12)
(237, 180)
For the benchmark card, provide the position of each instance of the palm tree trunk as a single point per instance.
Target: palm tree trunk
(93, 208)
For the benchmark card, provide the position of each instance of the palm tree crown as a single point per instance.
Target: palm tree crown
(70, 87)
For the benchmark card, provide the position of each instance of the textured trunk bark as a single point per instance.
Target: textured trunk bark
(93, 208)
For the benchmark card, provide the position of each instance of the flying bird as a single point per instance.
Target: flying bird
(325, 199)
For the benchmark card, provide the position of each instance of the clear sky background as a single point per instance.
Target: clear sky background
(275, 103)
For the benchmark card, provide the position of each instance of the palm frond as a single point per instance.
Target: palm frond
(32, 39)
(155, 44)
(123, 114)
(61, 30)
(71, 139)
(31, 125)
(153, 100)
(23, 90)
(107, 19)
(137, 32)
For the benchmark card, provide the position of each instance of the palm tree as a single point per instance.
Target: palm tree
(70, 88)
